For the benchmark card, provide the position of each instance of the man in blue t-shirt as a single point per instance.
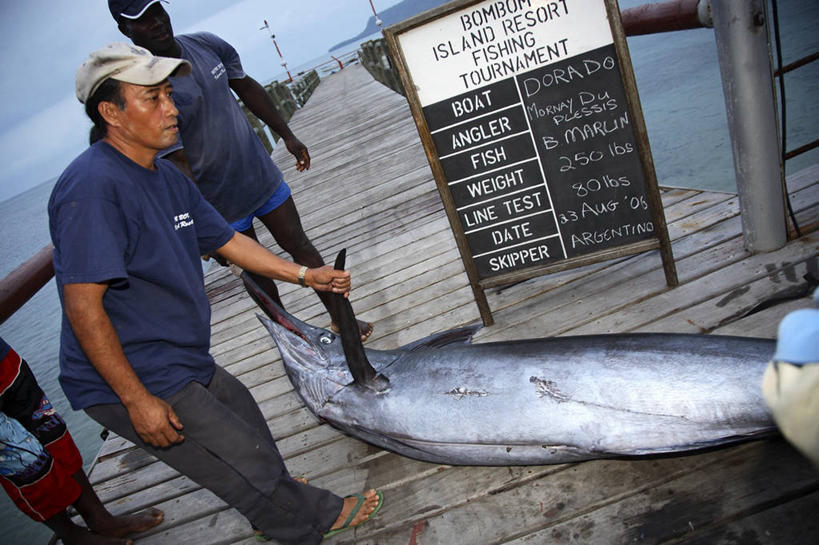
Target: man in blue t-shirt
(221, 152)
(128, 230)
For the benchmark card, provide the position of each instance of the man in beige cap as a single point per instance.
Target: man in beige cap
(230, 165)
(128, 230)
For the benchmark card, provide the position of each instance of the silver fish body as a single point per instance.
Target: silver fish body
(539, 401)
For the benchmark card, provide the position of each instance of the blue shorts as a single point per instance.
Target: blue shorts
(276, 200)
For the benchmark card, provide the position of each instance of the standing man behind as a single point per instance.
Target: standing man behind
(221, 152)
(128, 230)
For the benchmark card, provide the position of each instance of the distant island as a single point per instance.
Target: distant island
(392, 15)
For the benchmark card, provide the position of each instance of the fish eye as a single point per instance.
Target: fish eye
(326, 339)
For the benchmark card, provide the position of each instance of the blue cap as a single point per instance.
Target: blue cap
(798, 339)
(130, 9)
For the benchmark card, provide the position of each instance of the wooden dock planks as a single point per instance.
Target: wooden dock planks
(370, 190)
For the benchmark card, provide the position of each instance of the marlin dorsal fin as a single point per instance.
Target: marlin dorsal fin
(360, 367)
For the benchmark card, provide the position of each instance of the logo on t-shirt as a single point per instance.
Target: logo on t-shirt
(182, 220)
(218, 70)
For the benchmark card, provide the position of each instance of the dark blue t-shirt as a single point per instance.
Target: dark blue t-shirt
(231, 166)
(142, 231)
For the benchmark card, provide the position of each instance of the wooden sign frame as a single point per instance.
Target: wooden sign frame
(484, 8)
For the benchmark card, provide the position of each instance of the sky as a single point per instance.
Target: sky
(42, 124)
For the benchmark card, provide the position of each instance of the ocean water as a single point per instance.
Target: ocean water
(679, 84)
(34, 333)
(680, 89)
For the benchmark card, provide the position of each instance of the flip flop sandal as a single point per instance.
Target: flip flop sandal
(259, 535)
(361, 499)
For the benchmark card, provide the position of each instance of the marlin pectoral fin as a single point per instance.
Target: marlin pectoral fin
(363, 373)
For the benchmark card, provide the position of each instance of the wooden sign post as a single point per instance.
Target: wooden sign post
(531, 122)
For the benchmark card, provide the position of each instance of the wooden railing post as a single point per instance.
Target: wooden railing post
(376, 58)
(23, 282)
(304, 87)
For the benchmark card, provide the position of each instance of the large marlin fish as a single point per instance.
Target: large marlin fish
(537, 401)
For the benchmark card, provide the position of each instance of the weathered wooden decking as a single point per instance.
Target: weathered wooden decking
(370, 190)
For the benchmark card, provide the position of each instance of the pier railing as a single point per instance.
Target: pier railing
(689, 14)
(23, 282)
(304, 87)
(287, 99)
(780, 74)
(375, 57)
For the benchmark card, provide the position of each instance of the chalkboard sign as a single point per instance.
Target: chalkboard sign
(531, 122)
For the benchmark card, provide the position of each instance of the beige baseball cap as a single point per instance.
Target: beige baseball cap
(128, 63)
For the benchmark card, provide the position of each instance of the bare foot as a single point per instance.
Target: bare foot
(364, 328)
(130, 524)
(371, 502)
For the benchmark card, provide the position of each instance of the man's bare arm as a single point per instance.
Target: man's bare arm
(254, 96)
(250, 255)
(153, 419)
